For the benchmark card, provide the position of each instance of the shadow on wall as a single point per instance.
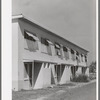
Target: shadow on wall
(52, 78)
(37, 67)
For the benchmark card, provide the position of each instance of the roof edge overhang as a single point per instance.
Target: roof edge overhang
(17, 16)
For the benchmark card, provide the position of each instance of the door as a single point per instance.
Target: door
(28, 75)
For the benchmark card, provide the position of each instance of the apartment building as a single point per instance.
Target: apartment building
(41, 58)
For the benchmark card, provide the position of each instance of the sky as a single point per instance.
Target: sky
(74, 20)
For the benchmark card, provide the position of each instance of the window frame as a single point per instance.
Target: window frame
(58, 49)
(34, 39)
(26, 35)
(45, 45)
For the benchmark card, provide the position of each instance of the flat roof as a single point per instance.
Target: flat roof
(19, 16)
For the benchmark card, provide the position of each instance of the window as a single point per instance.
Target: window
(77, 56)
(77, 53)
(85, 58)
(82, 57)
(66, 54)
(30, 36)
(30, 42)
(57, 49)
(43, 41)
(73, 55)
(45, 46)
(65, 49)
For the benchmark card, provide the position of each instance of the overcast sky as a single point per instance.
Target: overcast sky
(72, 19)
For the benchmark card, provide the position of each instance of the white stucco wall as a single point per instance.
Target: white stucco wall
(15, 55)
(65, 76)
(20, 54)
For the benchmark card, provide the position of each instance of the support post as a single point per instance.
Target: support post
(33, 74)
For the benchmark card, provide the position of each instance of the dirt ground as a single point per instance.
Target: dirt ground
(47, 92)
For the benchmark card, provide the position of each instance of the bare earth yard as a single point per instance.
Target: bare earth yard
(70, 91)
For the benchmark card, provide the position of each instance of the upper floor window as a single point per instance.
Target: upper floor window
(73, 54)
(77, 56)
(85, 58)
(45, 46)
(30, 36)
(66, 54)
(57, 49)
(82, 57)
(30, 42)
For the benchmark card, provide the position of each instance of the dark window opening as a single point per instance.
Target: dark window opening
(66, 54)
(57, 46)
(85, 58)
(72, 51)
(29, 36)
(81, 55)
(44, 41)
(31, 41)
(46, 46)
(58, 50)
(77, 53)
(65, 49)
(73, 55)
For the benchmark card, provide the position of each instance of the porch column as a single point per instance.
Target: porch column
(32, 74)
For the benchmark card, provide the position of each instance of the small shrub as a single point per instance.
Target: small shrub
(80, 78)
(92, 76)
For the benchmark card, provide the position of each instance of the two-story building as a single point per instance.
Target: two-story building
(41, 58)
